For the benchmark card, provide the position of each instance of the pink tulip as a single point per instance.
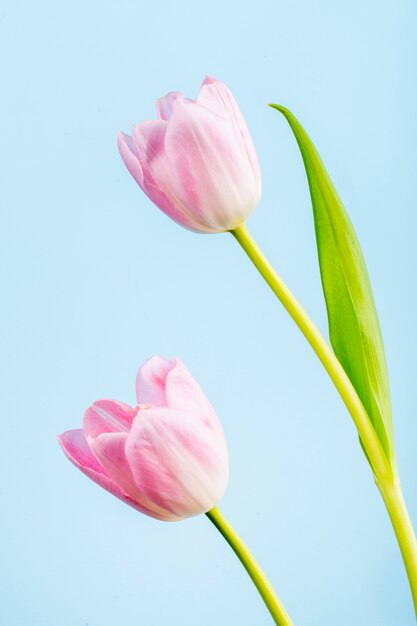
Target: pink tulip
(167, 457)
(197, 161)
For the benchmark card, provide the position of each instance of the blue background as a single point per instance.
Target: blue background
(95, 279)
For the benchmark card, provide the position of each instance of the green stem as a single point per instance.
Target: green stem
(267, 592)
(394, 501)
(385, 476)
(374, 450)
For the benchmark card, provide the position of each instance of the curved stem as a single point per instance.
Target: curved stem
(392, 495)
(370, 441)
(267, 592)
(385, 474)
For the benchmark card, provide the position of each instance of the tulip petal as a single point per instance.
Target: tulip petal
(184, 393)
(132, 159)
(204, 168)
(135, 161)
(109, 448)
(76, 449)
(217, 97)
(151, 379)
(177, 461)
(130, 156)
(165, 186)
(166, 105)
(214, 95)
(149, 138)
(107, 416)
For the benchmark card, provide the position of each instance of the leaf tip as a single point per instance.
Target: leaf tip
(278, 107)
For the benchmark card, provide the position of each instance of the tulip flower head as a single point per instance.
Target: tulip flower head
(167, 457)
(197, 161)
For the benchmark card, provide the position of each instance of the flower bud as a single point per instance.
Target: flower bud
(167, 457)
(197, 161)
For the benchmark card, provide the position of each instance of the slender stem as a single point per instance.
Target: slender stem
(267, 592)
(394, 501)
(374, 450)
(385, 473)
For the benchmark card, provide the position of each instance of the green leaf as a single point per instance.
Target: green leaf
(354, 328)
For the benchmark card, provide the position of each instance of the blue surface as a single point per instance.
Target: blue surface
(95, 280)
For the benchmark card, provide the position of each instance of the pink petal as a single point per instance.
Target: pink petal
(109, 448)
(150, 381)
(216, 96)
(177, 461)
(204, 166)
(107, 416)
(166, 105)
(149, 138)
(76, 449)
(132, 159)
(184, 393)
(130, 156)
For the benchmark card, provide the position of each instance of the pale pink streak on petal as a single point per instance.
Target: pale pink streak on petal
(177, 461)
(109, 448)
(136, 164)
(130, 156)
(184, 393)
(151, 379)
(165, 105)
(76, 449)
(149, 138)
(106, 416)
(216, 96)
(204, 167)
